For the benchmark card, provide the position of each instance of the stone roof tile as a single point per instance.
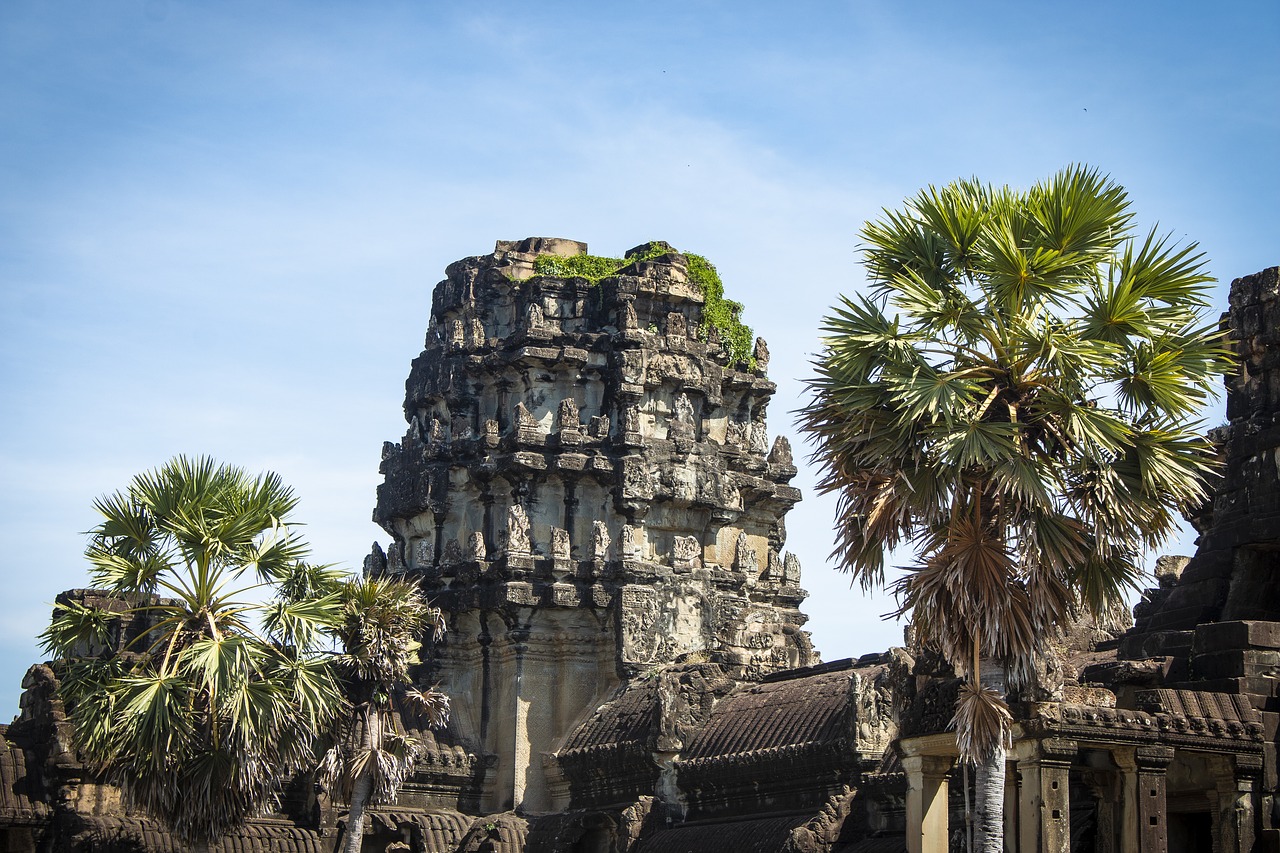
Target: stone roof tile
(766, 835)
(264, 836)
(777, 714)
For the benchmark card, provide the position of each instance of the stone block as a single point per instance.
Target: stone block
(1233, 663)
(1155, 644)
(1240, 634)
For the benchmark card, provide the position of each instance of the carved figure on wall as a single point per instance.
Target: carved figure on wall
(780, 454)
(569, 415)
(745, 559)
(631, 419)
(676, 326)
(560, 547)
(627, 316)
(599, 540)
(791, 569)
(630, 542)
(478, 551)
(534, 318)
(686, 551)
(517, 530)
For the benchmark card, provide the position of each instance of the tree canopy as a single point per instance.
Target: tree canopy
(1014, 399)
(198, 718)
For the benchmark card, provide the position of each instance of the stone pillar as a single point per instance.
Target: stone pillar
(1044, 814)
(927, 802)
(1151, 765)
(1127, 819)
(1234, 814)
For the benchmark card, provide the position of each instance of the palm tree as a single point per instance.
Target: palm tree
(197, 719)
(382, 622)
(1013, 400)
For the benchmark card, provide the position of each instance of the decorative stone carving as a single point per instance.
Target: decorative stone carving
(569, 415)
(630, 543)
(423, 553)
(682, 425)
(560, 547)
(746, 559)
(676, 326)
(517, 530)
(477, 549)
(627, 319)
(780, 454)
(375, 563)
(762, 356)
(791, 570)
(395, 558)
(599, 540)
(686, 552)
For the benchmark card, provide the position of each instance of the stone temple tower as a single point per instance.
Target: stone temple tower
(587, 489)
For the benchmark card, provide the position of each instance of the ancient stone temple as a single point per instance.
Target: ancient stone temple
(588, 489)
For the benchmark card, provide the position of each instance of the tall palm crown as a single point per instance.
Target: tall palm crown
(1014, 400)
(197, 719)
(380, 632)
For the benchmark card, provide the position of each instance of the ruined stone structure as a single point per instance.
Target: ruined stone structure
(588, 490)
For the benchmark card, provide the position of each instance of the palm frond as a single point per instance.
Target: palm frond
(982, 723)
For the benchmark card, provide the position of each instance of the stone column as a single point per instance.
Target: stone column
(1151, 764)
(927, 791)
(1127, 821)
(1234, 814)
(1044, 814)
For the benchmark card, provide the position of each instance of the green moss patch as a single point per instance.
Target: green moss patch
(723, 315)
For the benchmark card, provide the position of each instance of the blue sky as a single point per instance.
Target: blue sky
(220, 223)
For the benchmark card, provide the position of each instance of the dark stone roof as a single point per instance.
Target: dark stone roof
(137, 835)
(808, 708)
(438, 831)
(500, 833)
(765, 835)
(629, 718)
(1230, 710)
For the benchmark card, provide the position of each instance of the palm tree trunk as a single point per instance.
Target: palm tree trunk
(355, 816)
(362, 789)
(989, 780)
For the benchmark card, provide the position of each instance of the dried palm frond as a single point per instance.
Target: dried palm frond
(982, 723)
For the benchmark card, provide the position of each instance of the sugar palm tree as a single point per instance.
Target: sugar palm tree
(383, 622)
(198, 718)
(1014, 399)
